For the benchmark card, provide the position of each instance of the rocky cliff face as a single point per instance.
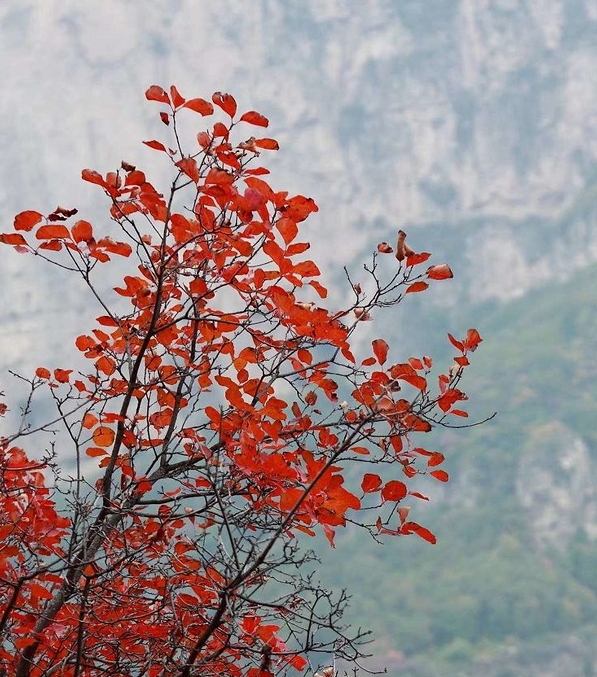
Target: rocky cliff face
(406, 112)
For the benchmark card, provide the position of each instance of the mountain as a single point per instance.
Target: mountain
(469, 123)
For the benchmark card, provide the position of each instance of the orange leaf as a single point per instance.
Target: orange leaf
(62, 375)
(84, 343)
(253, 118)
(370, 483)
(42, 372)
(440, 475)
(440, 272)
(416, 287)
(103, 436)
(394, 490)
(26, 220)
(380, 348)
(384, 248)
(200, 106)
(89, 420)
(95, 452)
(226, 102)
(155, 93)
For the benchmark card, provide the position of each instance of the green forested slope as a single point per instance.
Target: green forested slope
(492, 577)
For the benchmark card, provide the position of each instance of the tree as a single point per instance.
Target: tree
(222, 420)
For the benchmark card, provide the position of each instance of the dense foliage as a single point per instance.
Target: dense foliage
(208, 435)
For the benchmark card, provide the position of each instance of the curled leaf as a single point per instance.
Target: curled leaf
(155, 93)
(440, 272)
(226, 102)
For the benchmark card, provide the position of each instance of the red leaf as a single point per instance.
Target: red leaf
(52, 232)
(253, 118)
(82, 231)
(288, 229)
(89, 420)
(220, 129)
(105, 365)
(156, 145)
(38, 590)
(440, 272)
(406, 373)
(422, 532)
(177, 99)
(92, 176)
(188, 165)
(13, 238)
(120, 248)
(226, 102)
(394, 490)
(380, 348)
(416, 287)
(435, 459)
(319, 288)
(459, 412)
(42, 372)
(267, 144)
(155, 93)
(51, 245)
(62, 375)
(26, 220)
(472, 340)
(200, 106)
(370, 483)
(440, 475)
(84, 343)
(456, 343)
(415, 259)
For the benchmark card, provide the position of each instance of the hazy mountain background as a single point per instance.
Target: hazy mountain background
(472, 124)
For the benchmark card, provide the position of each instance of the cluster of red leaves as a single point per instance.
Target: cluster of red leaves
(214, 396)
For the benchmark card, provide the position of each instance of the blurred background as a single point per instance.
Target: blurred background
(472, 125)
